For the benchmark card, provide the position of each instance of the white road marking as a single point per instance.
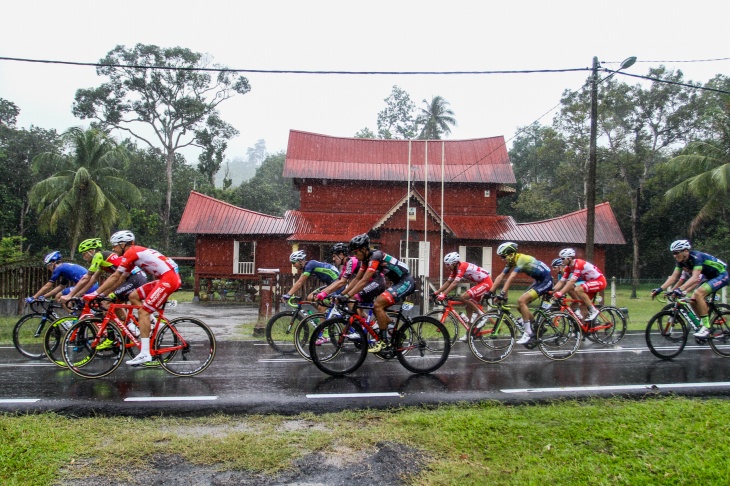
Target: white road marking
(19, 400)
(622, 350)
(170, 399)
(11, 365)
(283, 360)
(616, 387)
(354, 395)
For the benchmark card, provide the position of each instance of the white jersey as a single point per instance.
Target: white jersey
(151, 261)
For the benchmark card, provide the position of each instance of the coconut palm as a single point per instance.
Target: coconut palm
(86, 194)
(436, 118)
(711, 183)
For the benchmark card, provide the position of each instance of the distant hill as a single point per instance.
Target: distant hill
(239, 170)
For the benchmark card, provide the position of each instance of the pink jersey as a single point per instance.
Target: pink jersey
(468, 271)
(583, 270)
(151, 261)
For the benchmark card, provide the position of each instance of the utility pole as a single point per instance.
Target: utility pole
(591, 178)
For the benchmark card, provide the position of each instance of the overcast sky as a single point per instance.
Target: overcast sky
(376, 35)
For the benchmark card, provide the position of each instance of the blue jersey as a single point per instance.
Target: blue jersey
(67, 273)
(710, 266)
(325, 272)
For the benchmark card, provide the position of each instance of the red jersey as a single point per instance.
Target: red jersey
(151, 261)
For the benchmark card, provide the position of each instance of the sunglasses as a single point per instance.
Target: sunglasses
(677, 252)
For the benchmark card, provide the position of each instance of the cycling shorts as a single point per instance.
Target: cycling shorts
(541, 287)
(154, 294)
(398, 291)
(134, 281)
(715, 284)
(68, 290)
(592, 287)
(374, 288)
(476, 292)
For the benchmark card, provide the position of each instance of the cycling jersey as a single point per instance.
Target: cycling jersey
(390, 266)
(350, 268)
(469, 271)
(151, 261)
(107, 261)
(530, 266)
(67, 273)
(325, 272)
(710, 266)
(582, 270)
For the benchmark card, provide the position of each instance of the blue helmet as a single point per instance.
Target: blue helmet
(52, 257)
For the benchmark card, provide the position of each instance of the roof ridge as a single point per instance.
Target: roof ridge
(218, 201)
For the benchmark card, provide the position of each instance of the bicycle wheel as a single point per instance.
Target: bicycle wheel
(53, 338)
(610, 326)
(303, 331)
(491, 338)
(449, 320)
(89, 353)
(720, 334)
(343, 352)
(280, 331)
(28, 335)
(666, 334)
(187, 345)
(422, 345)
(559, 336)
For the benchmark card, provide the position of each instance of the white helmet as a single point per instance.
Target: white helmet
(452, 258)
(123, 236)
(506, 248)
(680, 245)
(297, 256)
(567, 253)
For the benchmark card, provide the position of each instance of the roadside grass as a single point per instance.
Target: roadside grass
(670, 440)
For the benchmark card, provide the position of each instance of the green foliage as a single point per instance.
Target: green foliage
(397, 119)
(436, 118)
(10, 249)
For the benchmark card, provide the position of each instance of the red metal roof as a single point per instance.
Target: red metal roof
(482, 160)
(206, 215)
(328, 226)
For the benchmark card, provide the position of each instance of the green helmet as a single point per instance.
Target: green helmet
(90, 244)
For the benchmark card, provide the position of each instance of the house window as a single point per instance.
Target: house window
(244, 257)
(487, 193)
(418, 256)
(479, 255)
(412, 214)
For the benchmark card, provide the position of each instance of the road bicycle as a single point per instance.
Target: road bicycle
(280, 328)
(54, 333)
(95, 347)
(445, 312)
(668, 330)
(421, 344)
(557, 334)
(492, 336)
(608, 327)
(29, 331)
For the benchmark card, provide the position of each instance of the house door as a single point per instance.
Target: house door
(417, 258)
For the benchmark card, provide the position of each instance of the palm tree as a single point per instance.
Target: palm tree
(711, 184)
(86, 195)
(436, 118)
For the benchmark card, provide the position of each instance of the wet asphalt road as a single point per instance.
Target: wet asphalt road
(249, 377)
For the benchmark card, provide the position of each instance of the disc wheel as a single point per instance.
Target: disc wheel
(491, 338)
(344, 349)
(187, 346)
(422, 345)
(666, 334)
(92, 354)
(559, 336)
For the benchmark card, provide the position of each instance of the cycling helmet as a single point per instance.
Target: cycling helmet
(90, 244)
(557, 262)
(452, 258)
(567, 253)
(680, 245)
(52, 257)
(507, 248)
(360, 241)
(297, 256)
(339, 248)
(123, 236)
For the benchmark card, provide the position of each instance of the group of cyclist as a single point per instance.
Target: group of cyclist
(127, 266)
(360, 273)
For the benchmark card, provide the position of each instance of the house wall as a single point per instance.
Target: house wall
(378, 197)
(214, 254)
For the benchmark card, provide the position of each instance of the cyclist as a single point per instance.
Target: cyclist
(558, 266)
(104, 262)
(465, 270)
(701, 265)
(150, 296)
(324, 272)
(581, 280)
(533, 268)
(63, 277)
(377, 261)
(348, 267)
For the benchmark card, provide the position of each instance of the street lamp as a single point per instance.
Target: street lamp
(591, 182)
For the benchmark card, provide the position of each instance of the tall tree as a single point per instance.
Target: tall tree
(397, 119)
(163, 89)
(436, 118)
(86, 196)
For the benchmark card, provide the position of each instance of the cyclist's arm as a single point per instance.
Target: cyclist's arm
(56, 290)
(298, 284)
(42, 291)
(360, 284)
(497, 281)
(358, 277)
(86, 282)
(667, 285)
(112, 282)
(692, 282)
(340, 282)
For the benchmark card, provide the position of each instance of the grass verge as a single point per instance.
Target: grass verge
(602, 441)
